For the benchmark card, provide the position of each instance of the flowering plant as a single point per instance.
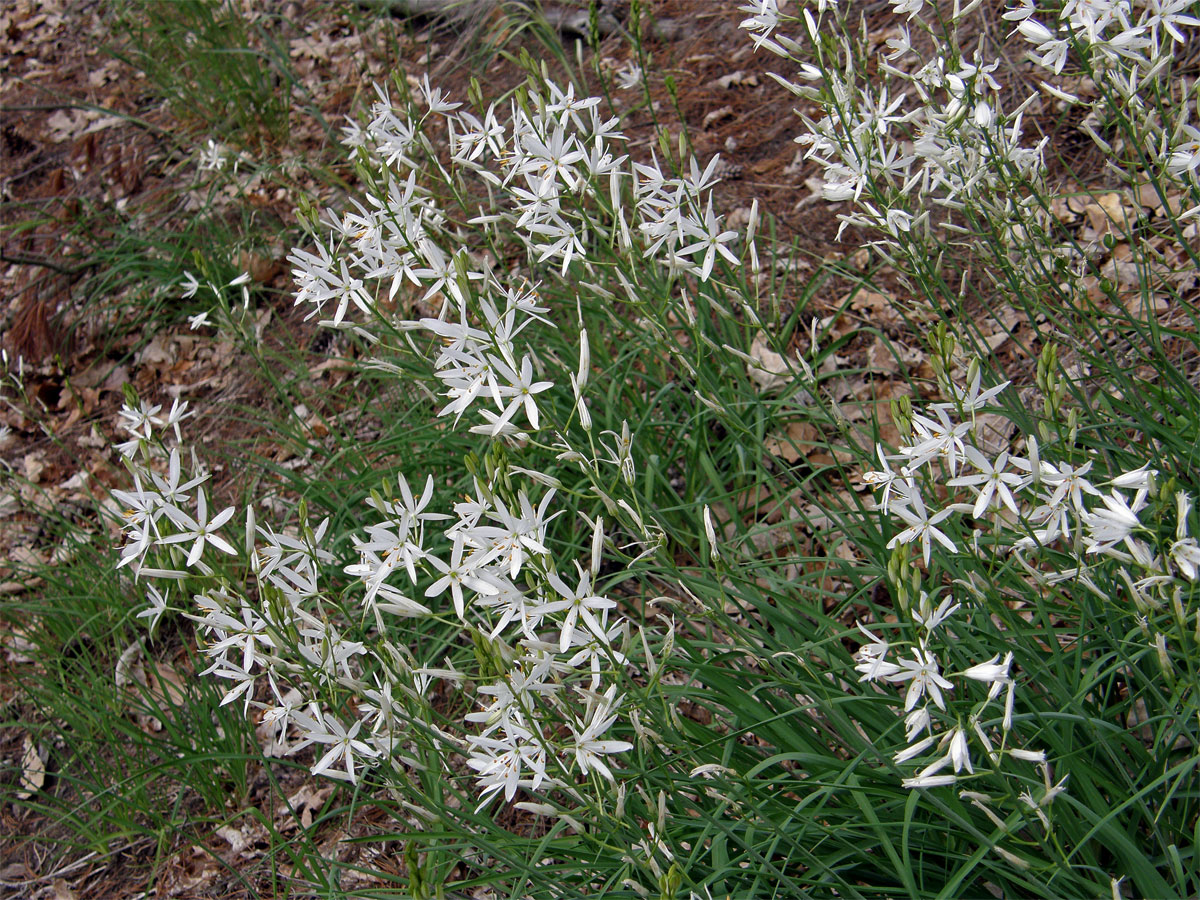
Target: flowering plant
(953, 636)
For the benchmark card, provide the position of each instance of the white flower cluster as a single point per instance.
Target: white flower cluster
(1127, 36)
(925, 698)
(550, 646)
(1056, 520)
(1126, 45)
(482, 560)
(929, 130)
(562, 191)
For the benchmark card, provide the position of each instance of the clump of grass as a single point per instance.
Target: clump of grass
(213, 65)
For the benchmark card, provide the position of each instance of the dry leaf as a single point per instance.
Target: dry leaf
(242, 839)
(311, 48)
(165, 685)
(33, 770)
(155, 352)
(18, 648)
(183, 873)
(735, 78)
(123, 674)
(68, 124)
(1111, 213)
(888, 357)
(306, 800)
(771, 369)
(260, 268)
(106, 73)
(878, 309)
(716, 115)
(791, 445)
(1060, 208)
(33, 464)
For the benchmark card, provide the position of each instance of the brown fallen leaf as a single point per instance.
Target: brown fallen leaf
(876, 308)
(794, 442)
(770, 370)
(165, 684)
(308, 799)
(33, 464)
(33, 769)
(716, 115)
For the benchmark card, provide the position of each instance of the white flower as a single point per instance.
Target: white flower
(885, 478)
(1033, 756)
(190, 285)
(1115, 523)
(914, 750)
(213, 156)
(1170, 15)
(1136, 479)
(942, 438)
(520, 391)
(710, 532)
(710, 239)
(344, 746)
(588, 747)
(1186, 556)
(1068, 483)
(921, 525)
(911, 7)
(959, 752)
(456, 575)
(629, 76)
(990, 671)
(1034, 31)
(580, 605)
(923, 675)
(201, 529)
(928, 617)
(764, 18)
(158, 606)
(177, 413)
(871, 659)
(917, 721)
(433, 98)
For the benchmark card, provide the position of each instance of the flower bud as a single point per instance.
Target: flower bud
(585, 360)
(711, 533)
(1164, 658)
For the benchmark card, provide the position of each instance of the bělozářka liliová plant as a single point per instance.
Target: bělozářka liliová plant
(466, 236)
(320, 661)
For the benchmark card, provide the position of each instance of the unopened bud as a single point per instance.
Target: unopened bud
(1164, 658)
(250, 533)
(585, 360)
(1035, 460)
(711, 533)
(597, 544)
